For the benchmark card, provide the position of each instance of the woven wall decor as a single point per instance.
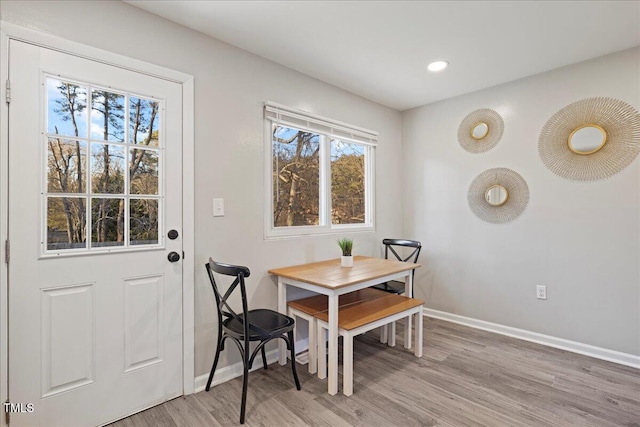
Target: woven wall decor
(621, 125)
(495, 125)
(516, 202)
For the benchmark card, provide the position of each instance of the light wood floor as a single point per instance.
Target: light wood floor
(466, 377)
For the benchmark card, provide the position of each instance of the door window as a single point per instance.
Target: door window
(104, 155)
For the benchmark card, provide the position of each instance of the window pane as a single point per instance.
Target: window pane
(66, 166)
(107, 116)
(347, 183)
(107, 222)
(66, 223)
(107, 169)
(144, 121)
(143, 224)
(296, 176)
(103, 158)
(143, 170)
(66, 108)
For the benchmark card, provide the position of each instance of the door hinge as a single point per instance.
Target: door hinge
(8, 94)
(7, 251)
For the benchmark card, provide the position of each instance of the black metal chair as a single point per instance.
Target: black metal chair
(390, 245)
(263, 325)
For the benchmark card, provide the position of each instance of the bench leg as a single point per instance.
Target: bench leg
(313, 361)
(407, 332)
(419, 336)
(392, 334)
(321, 341)
(347, 364)
(383, 334)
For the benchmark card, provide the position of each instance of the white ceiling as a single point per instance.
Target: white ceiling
(379, 49)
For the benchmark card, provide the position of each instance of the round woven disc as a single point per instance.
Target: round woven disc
(621, 123)
(496, 128)
(518, 195)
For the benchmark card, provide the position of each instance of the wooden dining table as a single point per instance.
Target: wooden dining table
(329, 278)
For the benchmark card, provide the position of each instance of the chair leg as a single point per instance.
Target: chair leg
(215, 362)
(293, 359)
(245, 381)
(264, 358)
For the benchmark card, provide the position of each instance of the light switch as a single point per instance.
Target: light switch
(218, 207)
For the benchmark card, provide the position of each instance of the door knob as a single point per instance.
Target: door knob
(173, 256)
(172, 234)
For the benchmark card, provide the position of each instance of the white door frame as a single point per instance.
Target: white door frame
(10, 31)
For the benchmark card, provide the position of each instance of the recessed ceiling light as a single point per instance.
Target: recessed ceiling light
(436, 66)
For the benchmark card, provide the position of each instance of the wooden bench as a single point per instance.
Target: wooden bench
(307, 308)
(361, 317)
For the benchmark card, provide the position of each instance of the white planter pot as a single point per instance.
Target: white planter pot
(346, 261)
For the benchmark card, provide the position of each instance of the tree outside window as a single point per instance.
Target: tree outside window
(305, 197)
(97, 181)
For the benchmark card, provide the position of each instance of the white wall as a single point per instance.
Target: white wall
(231, 86)
(579, 239)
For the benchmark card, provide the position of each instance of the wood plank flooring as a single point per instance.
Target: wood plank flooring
(466, 377)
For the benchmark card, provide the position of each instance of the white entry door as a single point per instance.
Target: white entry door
(95, 305)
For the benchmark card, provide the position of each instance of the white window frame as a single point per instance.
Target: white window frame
(328, 129)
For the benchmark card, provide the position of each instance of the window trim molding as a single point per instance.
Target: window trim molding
(328, 129)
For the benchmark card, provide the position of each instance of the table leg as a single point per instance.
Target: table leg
(282, 308)
(313, 346)
(408, 291)
(321, 351)
(347, 364)
(333, 344)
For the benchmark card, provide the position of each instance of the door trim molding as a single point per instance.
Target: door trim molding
(9, 32)
(4, 209)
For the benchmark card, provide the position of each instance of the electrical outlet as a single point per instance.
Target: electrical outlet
(541, 292)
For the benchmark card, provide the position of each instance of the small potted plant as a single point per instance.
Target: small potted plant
(346, 245)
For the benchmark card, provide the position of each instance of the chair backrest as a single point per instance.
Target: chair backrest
(222, 305)
(391, 244)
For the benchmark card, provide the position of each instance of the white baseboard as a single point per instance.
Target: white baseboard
(233, 371)
(230, 372)
(563, 344)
